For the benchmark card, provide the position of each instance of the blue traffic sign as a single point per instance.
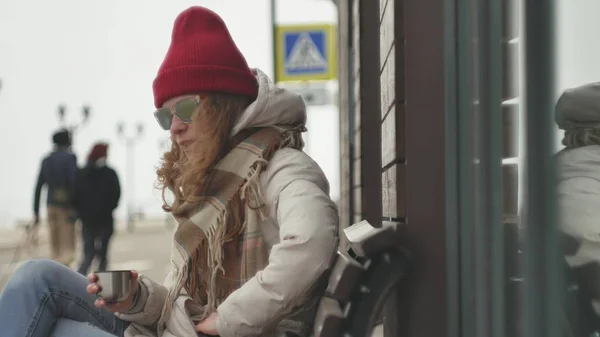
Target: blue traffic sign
(305, 53)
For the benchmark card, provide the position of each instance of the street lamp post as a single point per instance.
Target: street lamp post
(72, 128)
(164, 145)
(274, 37)
(129, 151)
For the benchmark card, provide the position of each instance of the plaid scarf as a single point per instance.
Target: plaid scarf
(220, 246)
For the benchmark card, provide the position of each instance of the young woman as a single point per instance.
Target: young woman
(257, 230)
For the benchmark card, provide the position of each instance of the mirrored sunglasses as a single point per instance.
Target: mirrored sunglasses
(184, 110)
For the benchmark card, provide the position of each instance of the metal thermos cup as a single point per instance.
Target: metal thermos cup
(114, 285)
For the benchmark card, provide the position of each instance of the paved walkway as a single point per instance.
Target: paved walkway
(11, 237)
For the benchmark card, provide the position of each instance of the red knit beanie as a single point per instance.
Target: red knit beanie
(202, 57)
(100, 150)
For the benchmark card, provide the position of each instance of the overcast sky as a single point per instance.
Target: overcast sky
(106, 54)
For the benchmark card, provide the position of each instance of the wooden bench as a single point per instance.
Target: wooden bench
(360, 281)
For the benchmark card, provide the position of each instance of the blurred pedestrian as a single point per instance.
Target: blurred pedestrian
(58, 173)
(97, 194)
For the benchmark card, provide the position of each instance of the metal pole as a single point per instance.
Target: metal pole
(274, 40)
(453, 196)
(465, 170)
(164, 146)
(489, 246)
(72, 128)
(543, 277)
(130, 171)
(130, 181)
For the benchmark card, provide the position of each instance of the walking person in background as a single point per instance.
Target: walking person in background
(58, 172)
(97, 194)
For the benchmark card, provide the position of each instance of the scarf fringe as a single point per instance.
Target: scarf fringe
(174, 291)
(215, 239)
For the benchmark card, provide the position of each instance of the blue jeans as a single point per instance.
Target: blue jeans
(44, 298)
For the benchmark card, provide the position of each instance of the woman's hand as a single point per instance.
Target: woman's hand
(93, 288)
(209, 325)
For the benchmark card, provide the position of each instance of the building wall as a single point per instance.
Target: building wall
(511, 116)
(352, 137)
(390, 112)
(377, 138)
(393, 144)
(393, 154)
(346, 155)
(412, 41)
(355, 126)
(349, 97)
(383, 121)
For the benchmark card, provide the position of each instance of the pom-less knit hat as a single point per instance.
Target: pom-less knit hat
(202, 57)
(62, 138)
(100, 150)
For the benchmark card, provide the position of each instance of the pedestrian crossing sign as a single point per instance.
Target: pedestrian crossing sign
(305, 53)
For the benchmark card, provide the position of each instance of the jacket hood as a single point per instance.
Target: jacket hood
(579, 163)
(273, 106)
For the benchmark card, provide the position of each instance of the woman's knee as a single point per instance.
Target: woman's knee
(38, 270)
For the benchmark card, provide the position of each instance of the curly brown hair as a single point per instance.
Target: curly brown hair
(185, 175)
